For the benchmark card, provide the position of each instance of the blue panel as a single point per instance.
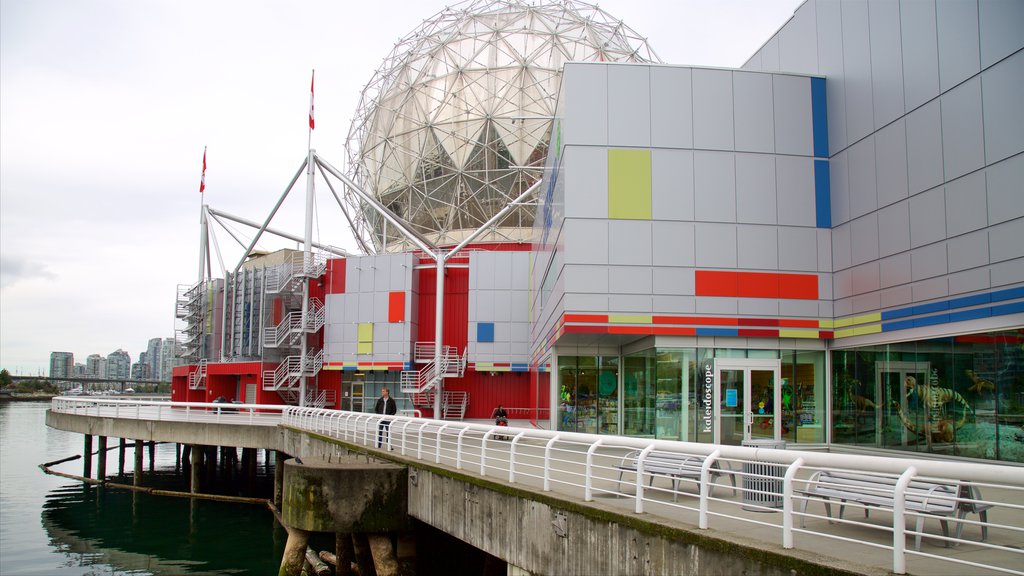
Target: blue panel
(717, 332)
(520, 367)
(932, 320)
(901, 325)
(970, 314)
(901, 313)
(352, 368)
(970, 301)
(1015, 308)
(819, 117)
(933, 307)
(485, 331)
(1008, 294)
(822, 195)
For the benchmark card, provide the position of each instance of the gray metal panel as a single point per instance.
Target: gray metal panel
(860, 120)
(841, 251)
(863, 193)
(970, 281)
(968, 251)
(843, 284)
(839, 186)
(586, 279)
(924, 147)
(754, 62)
(757, 247)
(673, 304)
(629, 105)
(798, 48)
(891, 163)
(1005, 273)
(585, 173)
(352, 307)
(382, 273)
(472, 308)
(520, 270)
(672, 107)
(1002, 86)
(794, 130)
(755, 189)
(830, 65)
(886, 62)
(752, 99)
(959, 47)
(824, 250)
(712, 109)
(966, 204)
(930, 289)
(502, 306)
(1000, 29)
(1006, 240)
(770, 55)
(673, 280)
(864, 239)
(585, 302)
(502, 334)
(795, 190)
(894, 270)
(671, 185)
(1005, 200)
(366, 307)
(927, 217)
(380, 307)
(401, 272)
(672, 243)
(928, 261)
(716, 245)
(825, 310)
(866, 303)
(715, 305)
(519, 332)
(585, 87)
(895, 297)
(629, 279)
(629, 242)
(825, 286)
(920, 52)
(800, 308)
(630, 303)
(484, 272)
(894, 228)
(520, 303)
(798, 249)
(757, 307)
(502, 269)
(963, 143)
(865, 278)
(714, 177)
(485, 306)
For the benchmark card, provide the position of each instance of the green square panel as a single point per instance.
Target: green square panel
(629, 184)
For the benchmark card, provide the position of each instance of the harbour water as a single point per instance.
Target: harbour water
(53, 525)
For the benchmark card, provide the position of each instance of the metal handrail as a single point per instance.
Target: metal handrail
(200, 412)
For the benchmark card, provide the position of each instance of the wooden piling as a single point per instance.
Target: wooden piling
(364, 555)
(101, 459)
(87, 457)
(197, 453)
(152, 456)
(384, 560)
(137, 479)
(318, 566)
(120, 456)
(279, 458)
(294, 552)
(345, 555)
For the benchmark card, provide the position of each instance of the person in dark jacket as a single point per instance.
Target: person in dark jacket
(385, 405)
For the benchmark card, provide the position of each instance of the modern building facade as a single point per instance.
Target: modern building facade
(62, 364)
(823, 248)
(119, 365)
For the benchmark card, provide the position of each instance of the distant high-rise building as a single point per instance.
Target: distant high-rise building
(119, 364)
(61, 364)
(96, 365)
(80, 369)
(168, 359)
(140, 370)
(154, 357)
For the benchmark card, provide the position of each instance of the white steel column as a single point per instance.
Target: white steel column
(439, 257)
(203, 242)
(307, 260)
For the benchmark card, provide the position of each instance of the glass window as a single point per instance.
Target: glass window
(639, 394)
(588, 394)
(803, 391)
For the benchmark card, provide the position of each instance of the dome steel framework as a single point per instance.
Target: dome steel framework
(455, 123)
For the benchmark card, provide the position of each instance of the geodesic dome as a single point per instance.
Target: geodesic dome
(455, 123)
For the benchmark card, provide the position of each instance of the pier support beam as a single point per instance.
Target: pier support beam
(345, 554)
(384, 560)
(137, 478)
(279, 459)
(294, 552)
(152, 456)
(120, 456)
(87, 457)
(196, 453)
(101, 459)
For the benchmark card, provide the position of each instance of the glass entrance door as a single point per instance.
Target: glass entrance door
(747, 400)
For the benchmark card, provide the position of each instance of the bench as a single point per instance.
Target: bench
(943, 500)
(673, 465)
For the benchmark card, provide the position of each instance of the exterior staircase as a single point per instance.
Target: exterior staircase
(421, 384)
(293, 326)
(197, 377)
(285, 379)
(285, 277)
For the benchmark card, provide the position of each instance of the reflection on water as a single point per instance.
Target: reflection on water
(51, 525)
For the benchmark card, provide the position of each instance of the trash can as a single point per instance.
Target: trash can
(762, 482)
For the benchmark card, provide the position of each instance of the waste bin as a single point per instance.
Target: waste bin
(762, 482)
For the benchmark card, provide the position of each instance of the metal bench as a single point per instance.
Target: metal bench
(943, 500)
(673, 465)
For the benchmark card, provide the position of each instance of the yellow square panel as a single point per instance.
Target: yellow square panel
(629, 184)
(364, 348)
(365, 332)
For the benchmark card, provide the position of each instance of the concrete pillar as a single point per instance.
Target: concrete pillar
(120, 456)
(294, 552)
(137, 480)
(345, 554)
(196, 453)
(101, 459)
(384, 560)
(87, 456)
(279, 458)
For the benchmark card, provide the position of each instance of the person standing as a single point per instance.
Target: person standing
(385, 405)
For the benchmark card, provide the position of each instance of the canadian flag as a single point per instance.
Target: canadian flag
(202, 180)
(311, 123)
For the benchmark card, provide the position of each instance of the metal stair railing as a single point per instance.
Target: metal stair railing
(287, 373)
(423, 351)
(197, 377)
(417, 381)
(317, 315)
(453, 405)
(282, 277)
(292, 325)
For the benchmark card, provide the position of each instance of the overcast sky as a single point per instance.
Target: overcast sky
(106, 105)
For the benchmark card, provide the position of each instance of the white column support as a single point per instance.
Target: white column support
(439, 335)
(203, 244)
(307, 261)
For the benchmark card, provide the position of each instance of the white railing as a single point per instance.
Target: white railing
(197, 377)
(200, 412)
(279, 278)
(586, 466)
(418, 381)
(291, 369)
(290, 325)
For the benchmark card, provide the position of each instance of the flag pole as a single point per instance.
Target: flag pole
(309, 142)
(203, 239)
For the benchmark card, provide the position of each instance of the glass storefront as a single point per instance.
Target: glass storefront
(588, 394)
(955, 396)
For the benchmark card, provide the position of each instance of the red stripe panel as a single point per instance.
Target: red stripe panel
(762, 322)
(594, 318)
(752, 333)
(798, 323)
(396, 306)
(826, 334)
(629, 330)
(674, 331)
(573, 329)
(756, 284)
